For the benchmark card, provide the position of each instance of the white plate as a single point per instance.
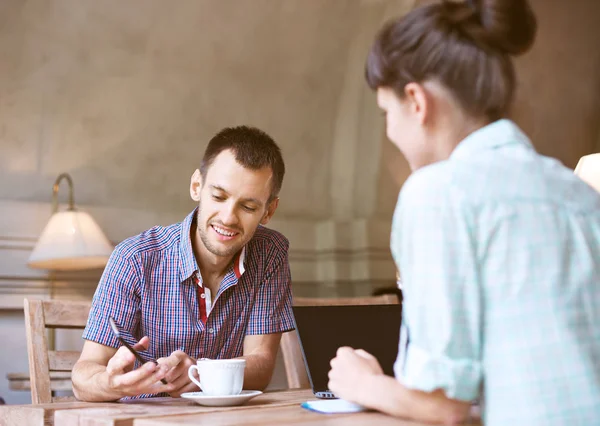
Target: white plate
(221, 401)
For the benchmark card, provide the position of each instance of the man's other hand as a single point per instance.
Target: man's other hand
(178, 364)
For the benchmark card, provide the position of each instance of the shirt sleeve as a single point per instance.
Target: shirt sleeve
(434, 249)
(117, 295)
(272, 312)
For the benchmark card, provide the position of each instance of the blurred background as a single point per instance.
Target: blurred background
(124, 96)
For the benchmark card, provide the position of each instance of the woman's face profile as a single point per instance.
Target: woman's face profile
(403, 126)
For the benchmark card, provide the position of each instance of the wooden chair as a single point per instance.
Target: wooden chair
(290, 345)
(51, 314)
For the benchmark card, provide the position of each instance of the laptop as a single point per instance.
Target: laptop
(323, 329)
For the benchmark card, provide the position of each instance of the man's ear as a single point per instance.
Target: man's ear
(270, 211)
(417, 100)
(196, 185)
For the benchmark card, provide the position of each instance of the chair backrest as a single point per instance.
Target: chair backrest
(44, 361)
(295, 369)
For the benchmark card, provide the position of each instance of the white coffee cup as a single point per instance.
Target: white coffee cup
(219, 377)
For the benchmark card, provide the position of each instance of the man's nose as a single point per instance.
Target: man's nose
(229, 214)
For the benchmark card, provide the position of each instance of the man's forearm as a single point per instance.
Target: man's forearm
(258, 372)
(386, 394)
(90, 383)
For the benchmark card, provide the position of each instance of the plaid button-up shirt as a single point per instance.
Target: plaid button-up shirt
(149, 287)
(499, 251)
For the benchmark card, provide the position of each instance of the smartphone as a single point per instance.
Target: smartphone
(117, 331)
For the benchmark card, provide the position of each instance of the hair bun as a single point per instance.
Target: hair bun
(509, 25)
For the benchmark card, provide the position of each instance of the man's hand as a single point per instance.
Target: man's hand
(178, 364)
(350, 368)
(127, 382)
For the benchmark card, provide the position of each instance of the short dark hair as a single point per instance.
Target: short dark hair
(465, 46)
(252, 148)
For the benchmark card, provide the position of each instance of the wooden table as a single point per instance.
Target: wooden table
(281, 407)
(286, 415)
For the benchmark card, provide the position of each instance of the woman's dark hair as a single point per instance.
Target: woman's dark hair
(464, 46)
(252, 148)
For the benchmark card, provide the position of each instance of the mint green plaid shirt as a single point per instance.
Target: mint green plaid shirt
(499, 252)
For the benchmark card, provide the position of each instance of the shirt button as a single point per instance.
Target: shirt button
(203, 296)
(211, 330)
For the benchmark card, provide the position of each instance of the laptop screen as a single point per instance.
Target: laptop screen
(323, 329)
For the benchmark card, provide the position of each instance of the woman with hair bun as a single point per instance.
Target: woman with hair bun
(498, 246)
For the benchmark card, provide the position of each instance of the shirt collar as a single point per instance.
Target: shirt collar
(187, 261)
(238, 263)
(494, 135)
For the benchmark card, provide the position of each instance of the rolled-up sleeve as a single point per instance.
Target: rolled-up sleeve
(434, 249)
(117, 295)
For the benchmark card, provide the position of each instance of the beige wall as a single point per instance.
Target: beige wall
(558, 102)
(125, 95)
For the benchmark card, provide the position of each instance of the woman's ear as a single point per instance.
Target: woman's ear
(196, 185)
(417, 100)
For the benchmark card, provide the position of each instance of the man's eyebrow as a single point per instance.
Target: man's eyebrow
(243, 200)
(219, 188)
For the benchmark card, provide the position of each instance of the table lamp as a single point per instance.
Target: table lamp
(71, 240)
(588, 169)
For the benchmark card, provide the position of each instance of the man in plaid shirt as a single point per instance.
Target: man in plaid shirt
(216, 285)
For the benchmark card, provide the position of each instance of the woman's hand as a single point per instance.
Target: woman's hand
(350, 371)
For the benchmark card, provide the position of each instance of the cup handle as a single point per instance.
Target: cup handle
(191, 376)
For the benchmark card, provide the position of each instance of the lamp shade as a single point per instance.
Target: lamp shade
(588, 169)
(71, 240)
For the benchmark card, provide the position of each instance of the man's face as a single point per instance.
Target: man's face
(232, 203)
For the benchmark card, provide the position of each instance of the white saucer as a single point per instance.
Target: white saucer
(221, 401)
